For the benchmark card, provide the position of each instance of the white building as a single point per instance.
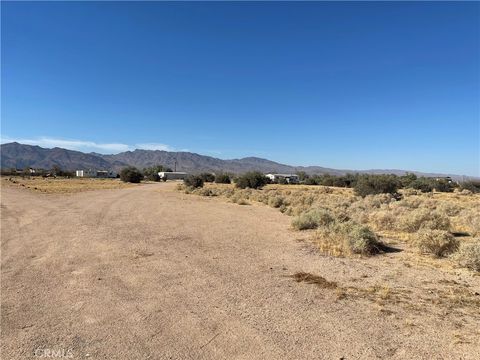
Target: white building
(96, 173)
(289, 178)
(172, 175)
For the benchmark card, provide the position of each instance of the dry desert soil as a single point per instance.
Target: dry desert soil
(147, 272)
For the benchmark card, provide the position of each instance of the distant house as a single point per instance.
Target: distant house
(289, 178)
(96, 173)
(172, 175)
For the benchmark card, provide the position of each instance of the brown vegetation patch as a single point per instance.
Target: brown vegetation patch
(313, 279)
(62, 185)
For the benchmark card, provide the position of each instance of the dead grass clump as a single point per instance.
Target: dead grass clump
(423, 219)
(276, 201)
(205, 192)
(449, 208)
(383, 220)
(471, 220)
(468, 255)
(348, 238)
(314, 279)
(312, 219)
(436, 242)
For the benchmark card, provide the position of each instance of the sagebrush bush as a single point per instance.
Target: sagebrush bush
(348, 238)
(312, 219)
(383, 220)
(362, 240)
(207, 177)
(471, 220)
(193, 181)
(376, 184)
(468, 255)
(252, 180)
(131, 174)
(436, 242)
(275, 201)
(443, 185)
(223, 179)
(423, 219)
(472, 186)
(423, 184)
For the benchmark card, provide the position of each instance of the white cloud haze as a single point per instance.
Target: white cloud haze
(86, 146)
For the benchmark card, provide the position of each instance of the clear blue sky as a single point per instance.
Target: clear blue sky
(343, 85)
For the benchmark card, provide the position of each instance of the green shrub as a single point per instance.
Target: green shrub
(376, 184)
(469, 255)
(361, 240)
(193, 181)
(423, 184)
(443, 185)
(151, 173)
(222, 178)
(131, 174)
(207, 177)
(252, 180)
(436, 242)
(312, 219)
(473, 186)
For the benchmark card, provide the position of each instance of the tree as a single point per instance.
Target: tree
(207, 177)
(376, 184)
(193, 181)
(131, 174)
(302, 176)
(222, 178)
(151, 173)
(253, 180)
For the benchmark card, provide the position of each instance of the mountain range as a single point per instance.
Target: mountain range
(20, 156)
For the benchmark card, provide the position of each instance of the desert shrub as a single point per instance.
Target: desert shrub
(362, 240)
(312, 219)
(407, 179)
(443, 185)
(193, 181)
(471, 220)
(206, 192)
(131, 174)
(151, 173)
(423, 184)
(468, 255)
(383, 220)
(348, 238)
(252, 180)
(466, 192)
(473, 186)
(376, 184)
(423, 219)
(207, 177)
(436, 242)
(222, 178)
(449, 208)
(275, 201)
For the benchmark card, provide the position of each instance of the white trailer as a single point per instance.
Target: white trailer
(172, 175)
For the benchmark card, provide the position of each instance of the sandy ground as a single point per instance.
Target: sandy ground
(151, 273)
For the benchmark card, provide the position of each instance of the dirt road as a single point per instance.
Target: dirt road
(151, 273)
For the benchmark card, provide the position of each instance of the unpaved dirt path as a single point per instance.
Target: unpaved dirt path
(151, 273)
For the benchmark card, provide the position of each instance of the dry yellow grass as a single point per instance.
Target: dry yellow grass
(396, 221)
(62, 185)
